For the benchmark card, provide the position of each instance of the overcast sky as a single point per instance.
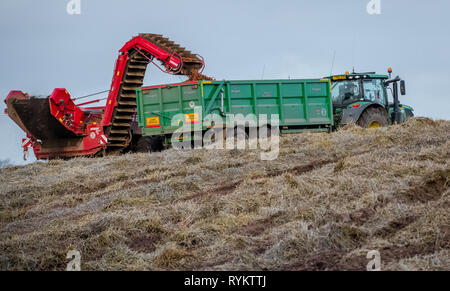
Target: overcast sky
(43, 47)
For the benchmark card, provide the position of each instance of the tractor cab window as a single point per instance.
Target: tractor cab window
(345, 92)
(374, 91)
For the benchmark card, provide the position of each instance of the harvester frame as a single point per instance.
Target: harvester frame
(66, 130)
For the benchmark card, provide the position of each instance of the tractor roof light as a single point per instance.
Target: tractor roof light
(389, 70)
(347, 73)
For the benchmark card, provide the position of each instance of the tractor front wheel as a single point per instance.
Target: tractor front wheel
(373, 118)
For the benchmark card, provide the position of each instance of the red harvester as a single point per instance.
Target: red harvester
(56, 127)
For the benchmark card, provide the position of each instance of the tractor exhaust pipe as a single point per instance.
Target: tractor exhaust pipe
(395, 96)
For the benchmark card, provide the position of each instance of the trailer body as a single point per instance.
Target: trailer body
(301, 105)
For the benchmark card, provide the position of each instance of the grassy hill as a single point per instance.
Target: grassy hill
(322, 205)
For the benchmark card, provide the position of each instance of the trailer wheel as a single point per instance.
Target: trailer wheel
(240, 133)
(100, 154)
(212, 135)
(148, 144)
(373, 118)
(265, 131)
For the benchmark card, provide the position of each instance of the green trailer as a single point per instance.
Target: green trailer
(301, 105)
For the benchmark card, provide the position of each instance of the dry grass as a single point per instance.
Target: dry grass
(322, 205)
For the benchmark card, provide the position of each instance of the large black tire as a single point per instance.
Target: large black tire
(240, 133)
(373, 118)
(212, 135)
(264, 130)
(409, 114)
(147, 144)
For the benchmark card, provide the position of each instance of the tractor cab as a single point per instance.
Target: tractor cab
(358, 88)
(362, 98)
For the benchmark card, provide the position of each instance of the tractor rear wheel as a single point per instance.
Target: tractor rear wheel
(373, 118)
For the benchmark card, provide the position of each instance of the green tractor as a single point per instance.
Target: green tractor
(362, 98)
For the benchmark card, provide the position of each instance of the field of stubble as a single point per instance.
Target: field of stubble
(322, 205)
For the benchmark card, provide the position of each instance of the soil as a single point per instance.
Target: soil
(395, 225)
(143, 242)
(431, 188)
